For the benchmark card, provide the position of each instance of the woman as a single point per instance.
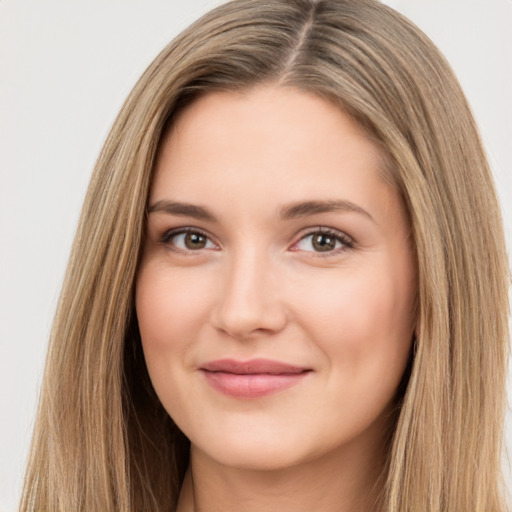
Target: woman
(419, 360)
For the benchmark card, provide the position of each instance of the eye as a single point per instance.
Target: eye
(188, 240)
(323, 241)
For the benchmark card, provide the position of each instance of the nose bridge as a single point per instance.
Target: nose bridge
(250, 301)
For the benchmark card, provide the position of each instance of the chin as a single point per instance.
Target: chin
(254, 458)
(250, 450)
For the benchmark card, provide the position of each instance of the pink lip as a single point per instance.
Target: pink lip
(252, 379)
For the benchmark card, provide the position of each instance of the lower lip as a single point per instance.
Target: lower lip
(252, 385)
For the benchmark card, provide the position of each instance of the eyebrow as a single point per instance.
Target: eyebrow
(183, 209)
(307, 208)
(289, 212)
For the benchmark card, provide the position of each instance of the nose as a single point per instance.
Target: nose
(250, 302)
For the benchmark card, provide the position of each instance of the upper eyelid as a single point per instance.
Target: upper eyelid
(169, 233)
(327, 230)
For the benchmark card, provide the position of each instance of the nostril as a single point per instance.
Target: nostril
(249, 302)
(243, 320)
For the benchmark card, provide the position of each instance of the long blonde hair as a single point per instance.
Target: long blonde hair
(103, 441)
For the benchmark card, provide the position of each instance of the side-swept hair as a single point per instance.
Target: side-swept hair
(102, 440)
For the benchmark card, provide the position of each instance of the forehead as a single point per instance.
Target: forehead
(269, 145)
(257, 108)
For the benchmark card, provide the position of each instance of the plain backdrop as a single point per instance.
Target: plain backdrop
(65, 68)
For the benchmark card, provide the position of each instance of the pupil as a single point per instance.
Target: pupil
(323, 243)
(195, 241)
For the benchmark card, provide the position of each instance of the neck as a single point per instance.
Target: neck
(330, 483)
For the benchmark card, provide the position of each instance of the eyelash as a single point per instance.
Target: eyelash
(167, 237)
(346, 242)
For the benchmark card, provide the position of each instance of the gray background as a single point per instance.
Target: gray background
(65, 69)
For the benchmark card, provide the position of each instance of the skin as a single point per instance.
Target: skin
(258, 287)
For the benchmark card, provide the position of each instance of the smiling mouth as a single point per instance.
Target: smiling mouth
(252, 379)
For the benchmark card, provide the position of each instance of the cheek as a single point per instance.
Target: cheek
(363, 325)
(170, 309)
(167, 304)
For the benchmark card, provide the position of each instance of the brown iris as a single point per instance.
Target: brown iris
(195, 241)
(323, 242)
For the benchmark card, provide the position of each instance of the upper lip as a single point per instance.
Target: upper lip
(253, 367)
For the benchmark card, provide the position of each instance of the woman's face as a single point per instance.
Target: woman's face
(276, 289)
